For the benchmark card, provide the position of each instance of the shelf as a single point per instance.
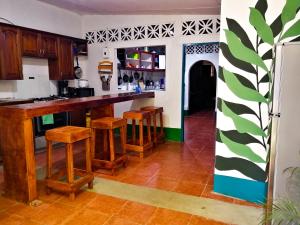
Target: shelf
(144, 69)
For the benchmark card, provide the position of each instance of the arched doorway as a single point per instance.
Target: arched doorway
(202, 86)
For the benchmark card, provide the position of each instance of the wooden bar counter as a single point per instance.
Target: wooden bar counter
(16, 137)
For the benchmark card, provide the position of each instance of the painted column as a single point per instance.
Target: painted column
(250, 29)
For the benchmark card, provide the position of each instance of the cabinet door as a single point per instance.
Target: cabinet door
(30, 43)
(66, 59)
(10, 54)
(49, 46)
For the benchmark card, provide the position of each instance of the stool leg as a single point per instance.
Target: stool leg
(161, 124)
(112, 148)
(123, 139)
(105, 146)
(93, 139)
(49, 159)
(70, 171)
(123, 142)
(149, 129)
(154, 129)
(49, 163)
(88, 159)
(133, 132)
(141, 136)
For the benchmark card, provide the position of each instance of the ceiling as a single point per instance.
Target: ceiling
(139, 7)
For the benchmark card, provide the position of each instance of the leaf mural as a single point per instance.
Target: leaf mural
(242, 138)
(241, 149)
(238, 109)
(240, 90)
(241, 52)
(244, 166)
(262, 6)
(268, 55)
(240, 32)
(293, 31)
(241, 79)
(289, 11)
(263, 30)
(242, 125)
(234, 61)
(265, 79)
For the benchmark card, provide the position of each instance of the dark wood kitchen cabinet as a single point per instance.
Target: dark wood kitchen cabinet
(62, 68)
(10, 53)
(36, 44)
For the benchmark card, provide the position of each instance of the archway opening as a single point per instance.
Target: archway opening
(202, 87)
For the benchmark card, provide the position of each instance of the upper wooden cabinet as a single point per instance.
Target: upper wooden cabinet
(10, 53)
(62, 68)
(16, 41)
(39, 45)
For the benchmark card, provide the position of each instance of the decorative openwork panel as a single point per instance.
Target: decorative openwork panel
(139, 32)
(189, 28)
(205, 27)
(113, 35)
(201, 26)
(126, 34)
(90, 37)
(153, 31)
(167, 30)
(101, 36)
(202, 49)
(217, 25)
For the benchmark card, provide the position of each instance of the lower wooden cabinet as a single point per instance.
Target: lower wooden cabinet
(10, 54)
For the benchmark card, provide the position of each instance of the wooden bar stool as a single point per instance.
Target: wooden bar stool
(75, 178)
(160, 137)
(141, 146)
(108, 124)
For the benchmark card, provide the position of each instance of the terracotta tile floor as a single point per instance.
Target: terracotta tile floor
(180, 167)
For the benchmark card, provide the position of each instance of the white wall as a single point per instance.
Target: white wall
(41, 16)
(191, 59)
(169, 99)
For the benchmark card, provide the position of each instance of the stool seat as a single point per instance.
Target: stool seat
(135, 114)
(107, 126)
(68, 134)
(108, 123)
(153, 109)
(71, 179)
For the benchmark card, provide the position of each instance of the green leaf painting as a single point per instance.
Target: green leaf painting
(263, 30)
(241, 52)
(289, 11)
(293, 31)
(250, 78)
(240, 90)
(241, 150)
(242, 125)
(240, 32)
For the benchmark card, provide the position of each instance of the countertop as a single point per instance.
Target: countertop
(14, 101)
(30, 110)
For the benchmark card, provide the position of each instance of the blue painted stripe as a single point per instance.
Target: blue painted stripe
(252, 191)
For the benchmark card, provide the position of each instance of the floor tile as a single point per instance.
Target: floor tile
(196, 220)
(106, 204)
(167, 217)
(118, 220)
(136, 212)
(190, 188)
(164, 183)
(87, 217)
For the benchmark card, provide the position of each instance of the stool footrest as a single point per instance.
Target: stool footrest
(104, 164)
(82, 178)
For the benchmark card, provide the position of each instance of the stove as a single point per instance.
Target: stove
(49, 98)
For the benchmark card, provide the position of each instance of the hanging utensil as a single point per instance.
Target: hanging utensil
(77, 69)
